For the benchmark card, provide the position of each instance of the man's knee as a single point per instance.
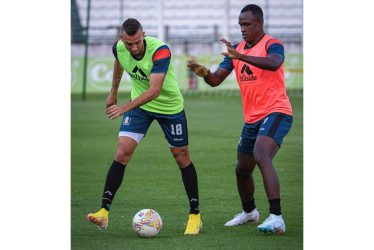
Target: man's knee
(244, 167)
(123, 156)
(260, 157)
(265, 149)
(126, 147)
(241, 171)
(181, 156)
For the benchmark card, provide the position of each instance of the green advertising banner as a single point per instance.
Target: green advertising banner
(100, 70)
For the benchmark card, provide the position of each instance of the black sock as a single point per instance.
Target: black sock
(189, 178)
(275, 207)
(113, 182)
(249, 206)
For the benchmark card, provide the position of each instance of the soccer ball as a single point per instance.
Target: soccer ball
(147, 223)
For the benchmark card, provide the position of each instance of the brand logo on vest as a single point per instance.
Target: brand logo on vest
(245, 78)
(143, 76)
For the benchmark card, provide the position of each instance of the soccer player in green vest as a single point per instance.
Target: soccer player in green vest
(155, 96)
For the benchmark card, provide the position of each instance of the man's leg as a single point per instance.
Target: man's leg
(264, 152)
(176, 133)
(244, 180)
(246, 188)
(189, 177)
(126, 147)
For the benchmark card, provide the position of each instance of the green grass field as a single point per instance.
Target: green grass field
(153, 180)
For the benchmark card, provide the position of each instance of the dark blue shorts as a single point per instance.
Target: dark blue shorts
(137, 122)
(275, 125)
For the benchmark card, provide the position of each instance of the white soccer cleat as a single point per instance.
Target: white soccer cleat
(244, 218)
(273, 224)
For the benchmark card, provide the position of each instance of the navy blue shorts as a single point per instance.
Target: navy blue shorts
(275, 125)
(137, 122)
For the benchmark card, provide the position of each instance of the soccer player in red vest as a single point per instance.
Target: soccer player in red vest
(258, 63)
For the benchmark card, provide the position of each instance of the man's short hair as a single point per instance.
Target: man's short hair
(131, 26)
(256, 11)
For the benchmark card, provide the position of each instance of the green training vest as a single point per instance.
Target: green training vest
(170, 100)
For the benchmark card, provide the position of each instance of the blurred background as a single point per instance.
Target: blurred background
(192, 29)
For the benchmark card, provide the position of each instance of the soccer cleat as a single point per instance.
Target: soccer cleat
(100, 218)
(194, 224)
(273, 224)
(244, 218)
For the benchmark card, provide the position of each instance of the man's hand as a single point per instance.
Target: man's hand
(114, 111)
(231, 52)
(111, 100)
(198, 69)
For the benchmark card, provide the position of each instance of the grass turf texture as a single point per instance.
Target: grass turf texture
(153, 180)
